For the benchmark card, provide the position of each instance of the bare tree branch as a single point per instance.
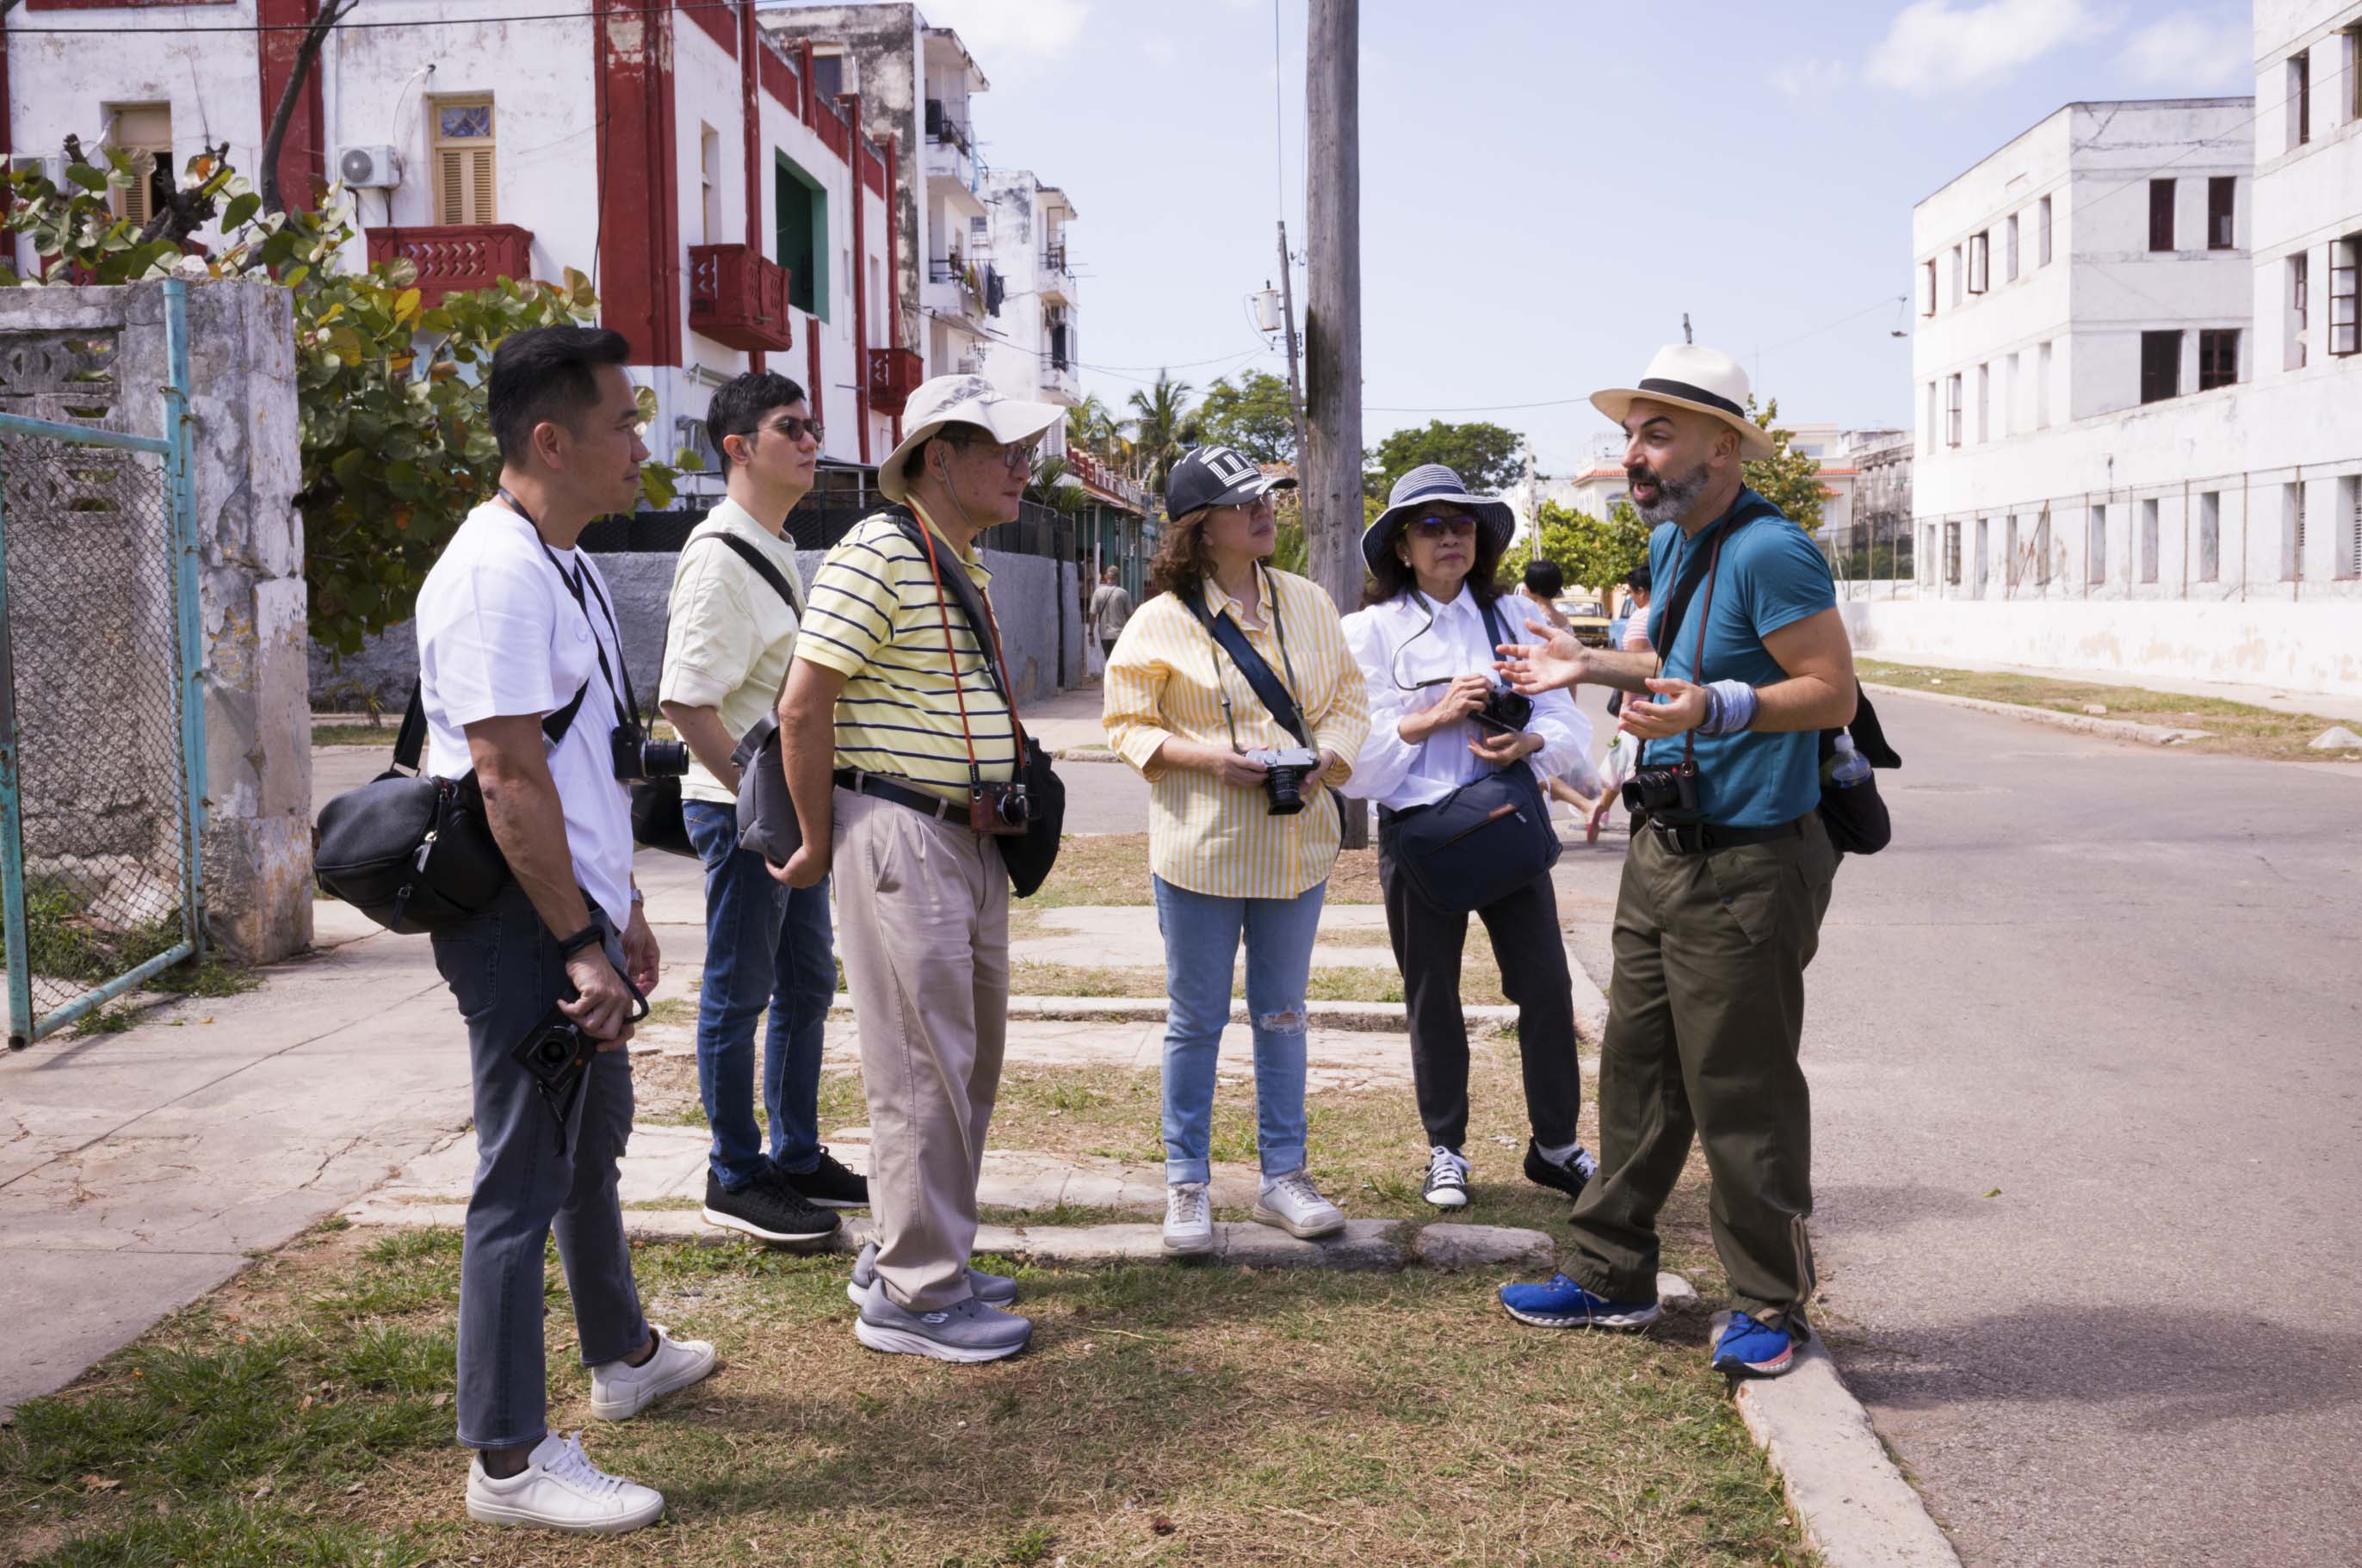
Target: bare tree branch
(308, 53)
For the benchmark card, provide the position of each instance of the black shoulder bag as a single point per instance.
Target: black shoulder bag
(1481, 843)
(411, 851)
(657, 821)
(1030, 856)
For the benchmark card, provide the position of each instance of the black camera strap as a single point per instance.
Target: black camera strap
(1686, 589)
(627, 700)
(1270, 689)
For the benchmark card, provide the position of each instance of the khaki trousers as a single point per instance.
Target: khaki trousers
(922, 926)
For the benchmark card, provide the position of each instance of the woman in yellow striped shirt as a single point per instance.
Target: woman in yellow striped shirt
(1229, 858)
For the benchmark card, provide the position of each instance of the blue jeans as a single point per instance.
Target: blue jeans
(1201, 947)
(768, 948)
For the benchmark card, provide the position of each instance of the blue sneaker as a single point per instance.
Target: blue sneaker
(1562, 1304)
(1749, 1349)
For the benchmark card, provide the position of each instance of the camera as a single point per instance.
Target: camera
(556, 1054)
(1505, 711)
(1004, 809)
(1283, 779)
(636, 756)
(1668, 792)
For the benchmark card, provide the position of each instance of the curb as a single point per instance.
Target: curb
(1377, 1017)
(1853, 1506)
(2115, 729)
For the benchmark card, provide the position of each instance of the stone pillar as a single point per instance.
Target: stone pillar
(256, 852)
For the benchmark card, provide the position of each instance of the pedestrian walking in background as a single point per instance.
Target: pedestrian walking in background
(736, 603)
(898, 747)
(1233, 693)
(521, 680)
(1628, 632)
(1110, 608)
(1726, 879)
(1427, 642)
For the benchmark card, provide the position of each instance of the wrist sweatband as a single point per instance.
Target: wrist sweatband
(589, 937)
(1729, 708)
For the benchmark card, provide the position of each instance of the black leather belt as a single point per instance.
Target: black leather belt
(884, 788)
(1702, 838)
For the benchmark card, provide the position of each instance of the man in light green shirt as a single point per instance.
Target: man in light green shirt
(736, 606)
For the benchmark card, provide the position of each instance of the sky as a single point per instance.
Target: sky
(1547, 185)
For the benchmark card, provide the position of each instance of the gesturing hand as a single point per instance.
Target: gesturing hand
(1556, 661)
(601, 1008)
(1680, 705)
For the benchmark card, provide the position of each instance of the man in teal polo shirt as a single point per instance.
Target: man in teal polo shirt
(1728, 877)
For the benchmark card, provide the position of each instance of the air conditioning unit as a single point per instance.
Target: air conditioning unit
(369, 167)
(50, 166)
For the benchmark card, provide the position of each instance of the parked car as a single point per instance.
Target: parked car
(1587, 617)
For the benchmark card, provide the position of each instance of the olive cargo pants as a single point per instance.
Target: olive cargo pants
(1704, 1014)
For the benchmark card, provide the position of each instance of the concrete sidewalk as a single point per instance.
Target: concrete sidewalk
(2279, 698)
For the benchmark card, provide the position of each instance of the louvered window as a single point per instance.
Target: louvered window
(144, 128)
(466, 174)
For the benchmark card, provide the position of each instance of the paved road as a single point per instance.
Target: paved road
(2085, 1047)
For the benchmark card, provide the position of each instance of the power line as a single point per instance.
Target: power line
(113, 31)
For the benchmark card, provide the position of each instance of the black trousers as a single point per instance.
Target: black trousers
(1428, 943)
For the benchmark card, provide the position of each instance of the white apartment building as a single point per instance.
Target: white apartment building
(728, 207)
(2137, 389)
(1031, 351)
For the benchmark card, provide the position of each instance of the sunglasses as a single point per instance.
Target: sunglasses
(796, 429)
(1442, 528)
(1018, 460)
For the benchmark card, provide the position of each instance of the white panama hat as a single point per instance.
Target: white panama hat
(961, 400)
(1706, 379)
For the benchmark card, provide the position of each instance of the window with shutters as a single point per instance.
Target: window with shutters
(2210, 536)
(2161, 215)
(1952, 411)
(465, 173)
(2345, 263)
(2299, 100)
(1952, 554)
(708, 179)
(2300, 311)
(2218, 358)
(142, 128)
(2349, 525)
(2160, 371)
(2291, 532)
(2222, 212)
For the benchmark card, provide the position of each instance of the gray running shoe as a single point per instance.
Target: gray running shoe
(966, 1332)
(992, 1289)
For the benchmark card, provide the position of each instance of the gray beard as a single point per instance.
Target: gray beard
(1675, 496)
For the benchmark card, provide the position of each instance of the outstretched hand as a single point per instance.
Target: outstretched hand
(1558, 660)
(1679, 706)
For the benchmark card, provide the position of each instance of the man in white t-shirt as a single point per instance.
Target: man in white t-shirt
(523, 682)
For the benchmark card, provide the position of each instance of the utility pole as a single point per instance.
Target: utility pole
(1287, 324)
(1329, 467)
(1685, 328)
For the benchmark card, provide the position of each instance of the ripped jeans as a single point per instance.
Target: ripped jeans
(1201, 947)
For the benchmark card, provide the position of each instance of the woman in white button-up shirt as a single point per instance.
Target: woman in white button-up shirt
(1426, 654)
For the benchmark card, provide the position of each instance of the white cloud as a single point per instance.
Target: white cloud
(1932, 48)
(2189, 50)
(1009, 28)
(1808, 78)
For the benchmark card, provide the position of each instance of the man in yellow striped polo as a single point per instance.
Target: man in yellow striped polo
(890, 723)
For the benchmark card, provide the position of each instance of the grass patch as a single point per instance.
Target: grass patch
(213, 978)
(1480, 981)
(356, 735)
(1112, 868)
(1163, 1415)
(2237, 729)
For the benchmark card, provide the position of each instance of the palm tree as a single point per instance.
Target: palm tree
(1162, 425)
(1090, 427)
(1052, 486)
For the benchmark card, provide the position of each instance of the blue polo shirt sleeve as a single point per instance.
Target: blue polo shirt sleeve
(1785, 576)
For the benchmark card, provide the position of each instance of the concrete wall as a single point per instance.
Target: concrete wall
(1026, 597)
(256, 852)
(2304, 646)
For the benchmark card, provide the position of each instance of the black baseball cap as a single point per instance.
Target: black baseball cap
(1216, 476)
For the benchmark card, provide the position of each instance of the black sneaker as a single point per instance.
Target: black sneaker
(1570, 1178)
(829, 1184)
(767, 1210)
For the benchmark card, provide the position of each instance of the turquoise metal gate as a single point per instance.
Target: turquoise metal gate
(102, 721)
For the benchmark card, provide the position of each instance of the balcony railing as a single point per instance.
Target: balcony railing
(456, 258)
(894, 375)
(941, 127)
(738, 297)
(1055, 260)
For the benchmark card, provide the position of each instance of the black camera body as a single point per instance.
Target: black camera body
(556, 1055)
(1505, 711)
(636, 756)
(1667, 792)
(1284, 775)
(1006, 809)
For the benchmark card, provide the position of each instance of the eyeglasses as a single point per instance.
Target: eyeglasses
(1443, 527)
(795, 428)
(1249, 506)
(1018, 460)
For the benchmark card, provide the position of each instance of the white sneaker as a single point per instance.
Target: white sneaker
(1295, 1206)
(620, 1390)
(559, 1488)
(1447, 1178)
(1189, 1219)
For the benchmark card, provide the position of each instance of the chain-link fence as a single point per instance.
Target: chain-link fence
(98, 722)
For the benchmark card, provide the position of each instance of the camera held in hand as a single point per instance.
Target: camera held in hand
(1668, 792)
(1283, 778)
(1005, 808)
(1505, 711)
(556, 1055)
(636, 756)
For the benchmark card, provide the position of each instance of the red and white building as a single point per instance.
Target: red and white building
(731, 213)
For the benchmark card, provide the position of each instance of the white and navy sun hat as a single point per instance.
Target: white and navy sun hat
(1706, 379)
(1424, 486)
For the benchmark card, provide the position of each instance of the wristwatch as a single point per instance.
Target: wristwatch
(638, 895)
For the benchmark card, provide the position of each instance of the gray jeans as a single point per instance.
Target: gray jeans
(504, 969)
